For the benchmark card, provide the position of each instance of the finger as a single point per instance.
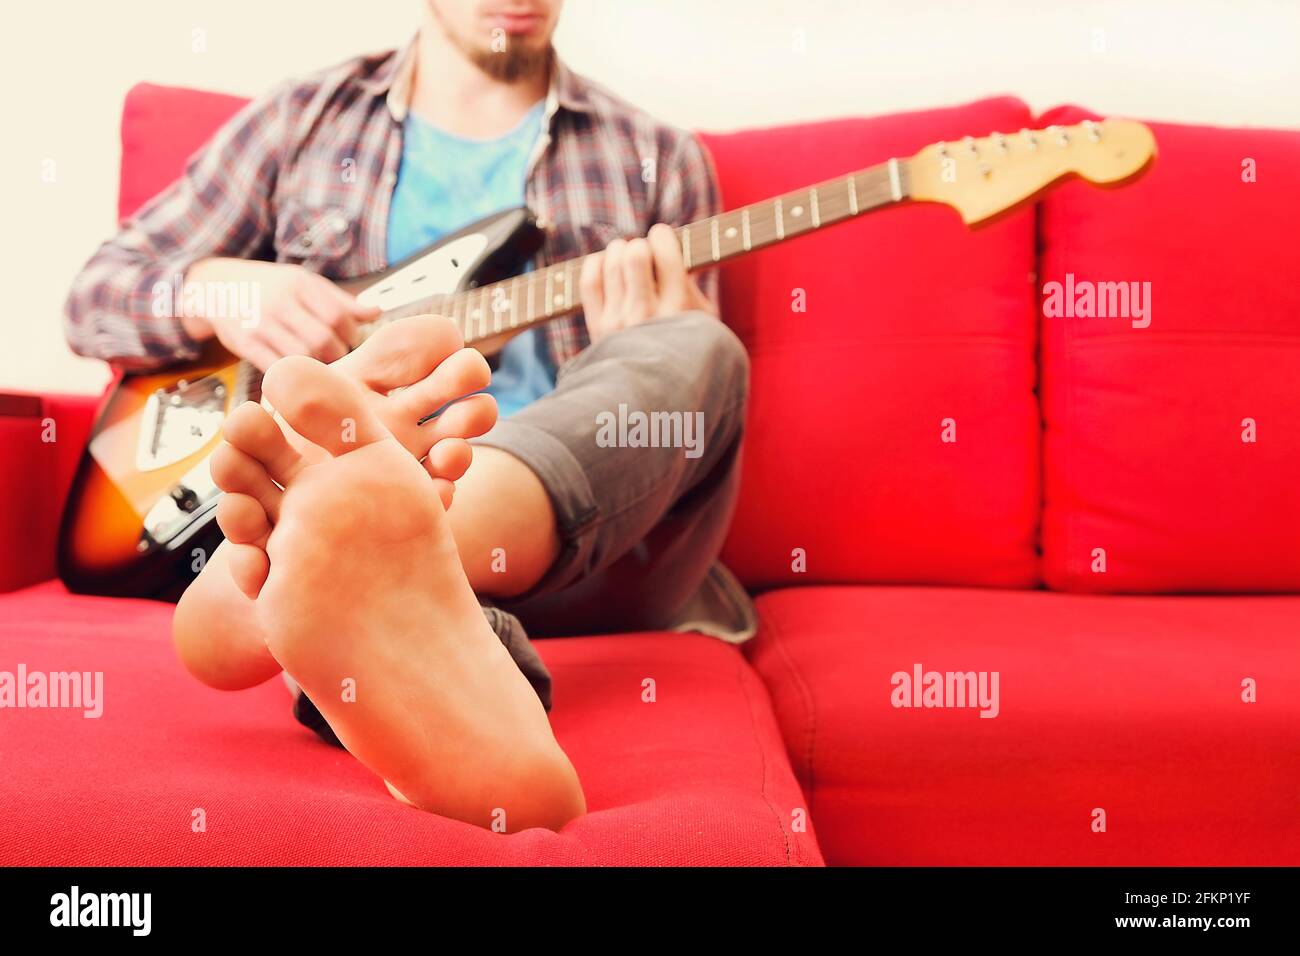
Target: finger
(254, 350)
(317, 301)
(670, 268)
(611, 277)
(592, 288)
(276, 333)
(638, 281)
(319, 336)
(350, 302)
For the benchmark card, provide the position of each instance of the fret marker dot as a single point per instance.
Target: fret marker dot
(796, 211)
(731, 232)
(559, 300)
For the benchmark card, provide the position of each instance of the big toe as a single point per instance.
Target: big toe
(402, 352)
(322, 405)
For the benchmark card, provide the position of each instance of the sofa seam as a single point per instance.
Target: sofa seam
(762, 756)
(805, 693)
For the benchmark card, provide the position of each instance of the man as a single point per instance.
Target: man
(338, 175)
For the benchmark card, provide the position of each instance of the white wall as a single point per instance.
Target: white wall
(66, 65)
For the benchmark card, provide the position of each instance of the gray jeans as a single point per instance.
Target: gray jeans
(638, 448)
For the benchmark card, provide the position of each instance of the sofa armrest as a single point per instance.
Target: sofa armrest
(41, 440)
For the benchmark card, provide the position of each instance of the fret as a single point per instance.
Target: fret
(726, 235)
(795, 217)
(457, 317)
(730, 234)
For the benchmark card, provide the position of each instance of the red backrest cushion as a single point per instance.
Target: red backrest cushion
(912, 319)
(41, 438)
(162, 126)
(1144, 459)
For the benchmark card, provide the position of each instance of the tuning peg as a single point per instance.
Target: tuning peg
(1000, 142)
(1094, 130)
(969, 143)
(1030, 139)
(943, 150)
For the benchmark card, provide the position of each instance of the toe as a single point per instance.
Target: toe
(446, 491)
(321, 404)
(237, 472)
(403, 352)
(463, 373)
(249, 567)
(251, 429)
(449, 459)
(243, 520)
(467, 418)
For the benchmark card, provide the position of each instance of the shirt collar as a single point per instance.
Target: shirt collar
(392, 79)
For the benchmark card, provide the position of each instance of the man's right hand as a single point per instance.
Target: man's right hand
(263, 311)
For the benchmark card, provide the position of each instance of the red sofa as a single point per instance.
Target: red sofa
(936, 475)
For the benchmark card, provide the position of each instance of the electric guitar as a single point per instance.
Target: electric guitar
(141, 513)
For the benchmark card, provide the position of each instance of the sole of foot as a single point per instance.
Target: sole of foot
(358, 586)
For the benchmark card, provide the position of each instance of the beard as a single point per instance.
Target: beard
(515, 63)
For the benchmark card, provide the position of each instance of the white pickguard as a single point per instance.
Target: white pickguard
(438, 272)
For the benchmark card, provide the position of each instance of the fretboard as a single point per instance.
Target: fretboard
(550, 291)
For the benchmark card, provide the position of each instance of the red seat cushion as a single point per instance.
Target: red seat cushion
(697, 777)
(1144, 459)
(1128, 704)
(912, 319)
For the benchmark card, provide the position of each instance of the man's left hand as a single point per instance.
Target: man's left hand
(634, 281)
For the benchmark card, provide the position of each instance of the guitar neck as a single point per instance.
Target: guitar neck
(551, 291)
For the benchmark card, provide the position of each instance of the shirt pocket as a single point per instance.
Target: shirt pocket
(319, 237)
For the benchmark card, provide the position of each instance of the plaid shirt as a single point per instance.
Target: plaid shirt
(306, 175)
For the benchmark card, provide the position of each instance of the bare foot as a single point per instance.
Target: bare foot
(216, 632)
(360, 592)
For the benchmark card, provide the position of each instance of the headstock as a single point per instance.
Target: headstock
(986, 176)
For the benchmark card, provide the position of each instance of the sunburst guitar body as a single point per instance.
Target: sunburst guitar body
(140, 520)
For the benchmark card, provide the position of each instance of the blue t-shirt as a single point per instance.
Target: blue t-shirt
(444, 183)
